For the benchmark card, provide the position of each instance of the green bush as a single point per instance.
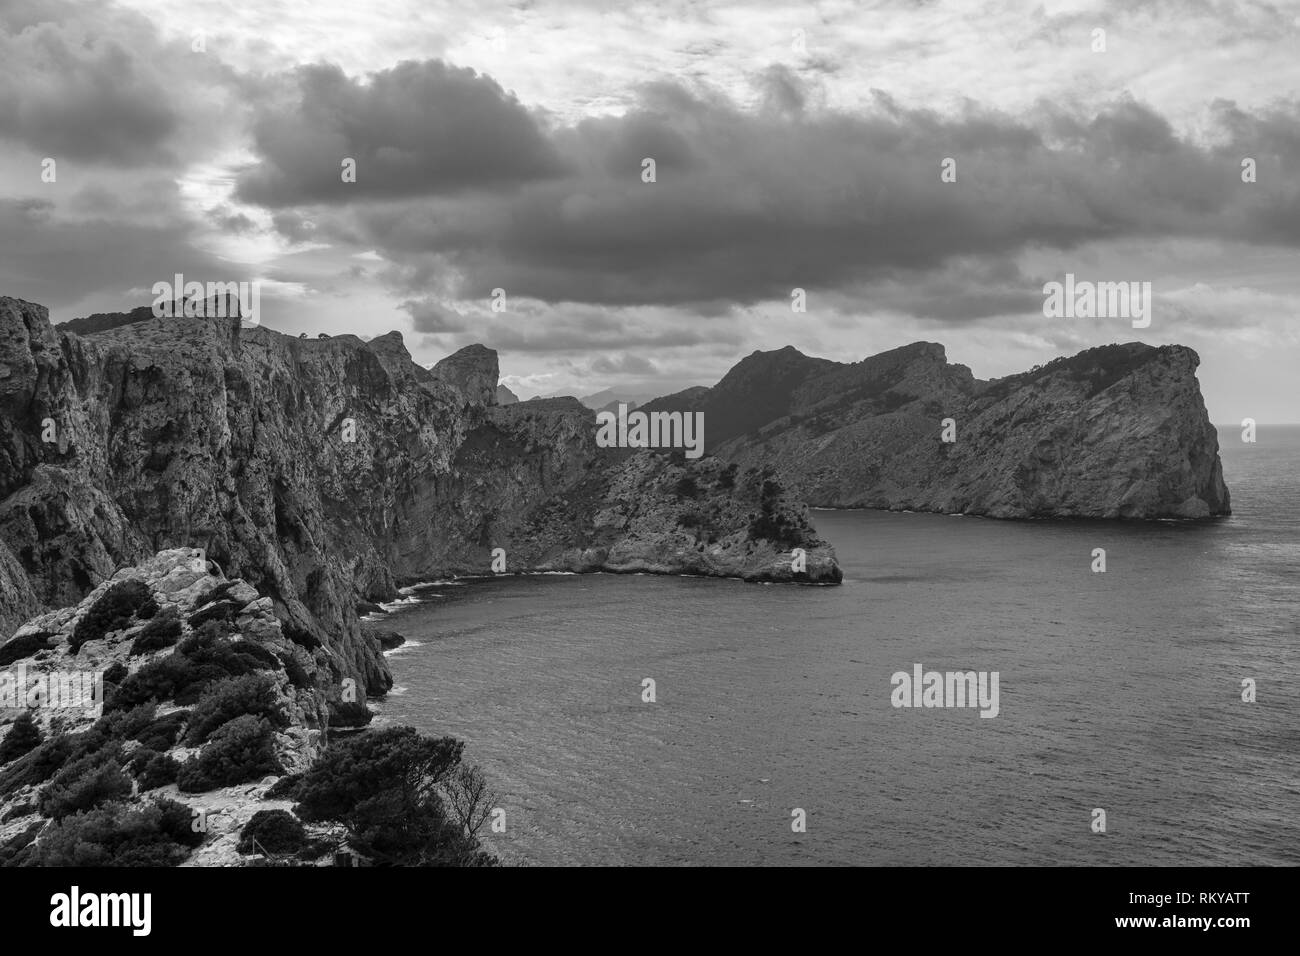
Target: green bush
(25, 646)
(277, 831)
(686, 487)
(253, 694)
(112, 612)
(240, 751)
(23, 737)
(85, 783)
(157, 834)
(163, 631)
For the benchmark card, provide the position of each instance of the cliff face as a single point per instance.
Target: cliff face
(322, 471)
(1115, 432)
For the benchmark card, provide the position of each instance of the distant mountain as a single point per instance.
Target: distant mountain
(759, 389)
(1119, 431)
(609, 398)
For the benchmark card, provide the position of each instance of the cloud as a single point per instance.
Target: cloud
(418, 129)
(58, 262)
(95, 84)
(750, 203)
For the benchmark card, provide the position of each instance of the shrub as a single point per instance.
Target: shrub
(200, 659)
(240, 751)
(117, 673)
(37, 766)
(686, 487)
(208, 645)
(120, 725)
(344, 714)
(777, 529)
(394, 759)
(153, 769)
(148, 609)
(297, 674)
(385, 787)
(286, 788)
(163, 733)
(22, 848)
(277, 831)
(727, 479)
(25, 646)
(163, 631)
(253, 694)
(214, 613)
(214, 593)
(23, 737)
(300, 636)
(157, 834)
(111, 612)
(85, 783)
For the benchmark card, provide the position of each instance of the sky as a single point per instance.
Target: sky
(502, 146)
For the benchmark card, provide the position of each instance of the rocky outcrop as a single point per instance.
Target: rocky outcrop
(1114, 432)
(472, 373)
(324, 472)
(505, 396)
(186, 587)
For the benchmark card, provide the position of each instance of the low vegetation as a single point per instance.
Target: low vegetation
(115, 609)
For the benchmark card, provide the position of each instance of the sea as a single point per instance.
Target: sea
(1123, 735)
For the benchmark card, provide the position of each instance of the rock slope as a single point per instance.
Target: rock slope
(189, 589)
(1119, 431)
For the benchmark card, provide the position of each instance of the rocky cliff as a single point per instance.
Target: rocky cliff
(326, 471)
(184, 591)
(1119, 431)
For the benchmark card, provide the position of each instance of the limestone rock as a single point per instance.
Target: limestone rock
(1114, 432)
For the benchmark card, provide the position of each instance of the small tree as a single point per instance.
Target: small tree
(23, 737)
(469, 798)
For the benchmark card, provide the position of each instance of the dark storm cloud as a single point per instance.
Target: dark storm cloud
(419, 129)
(431, 318)
(82, 100)
(749, 204)
(94, 84)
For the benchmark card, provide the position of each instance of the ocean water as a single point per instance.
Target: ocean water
(1120, 691)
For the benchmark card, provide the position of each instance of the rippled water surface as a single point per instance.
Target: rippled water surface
(1119, 690)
